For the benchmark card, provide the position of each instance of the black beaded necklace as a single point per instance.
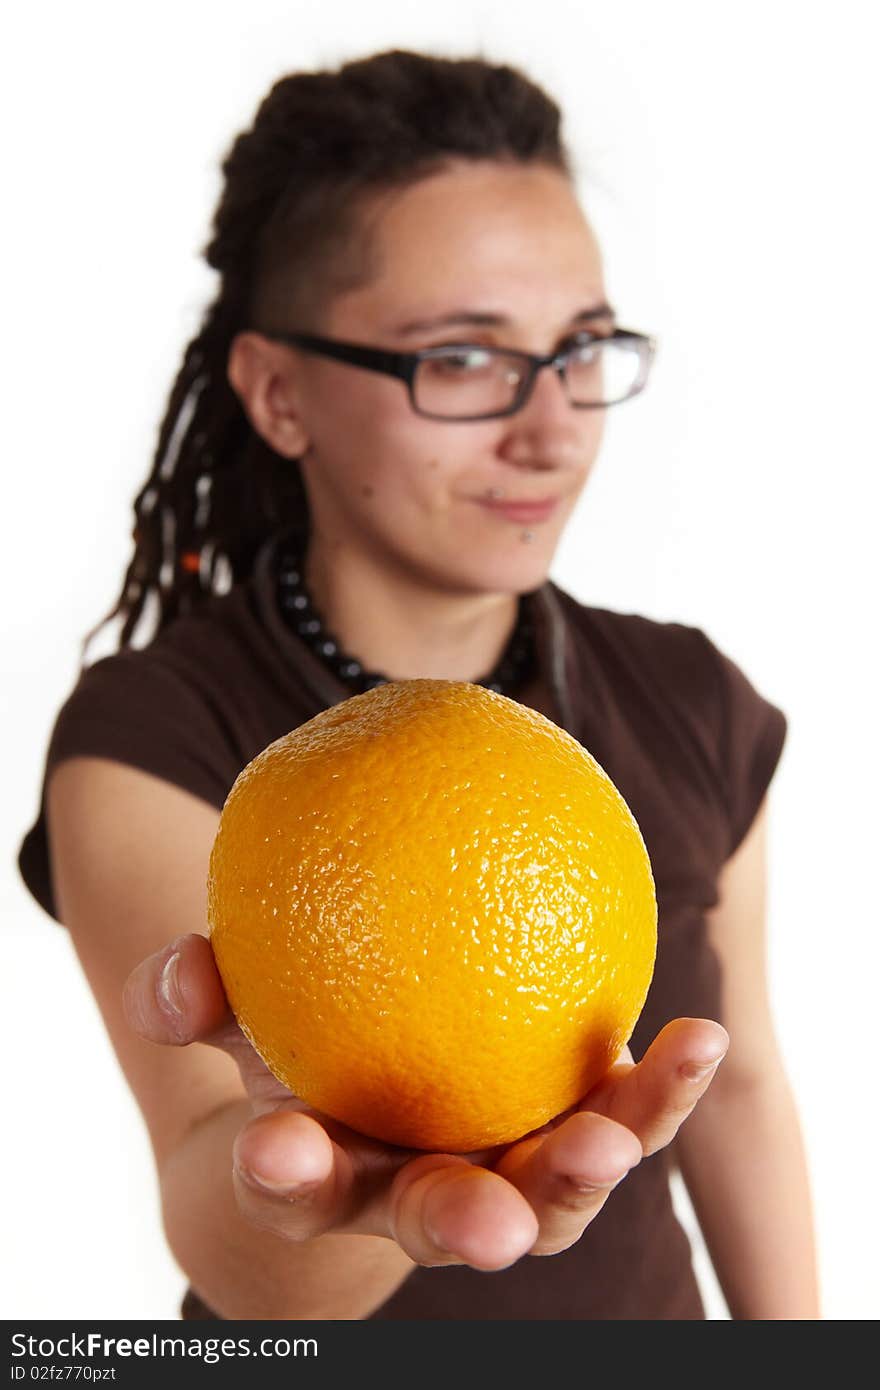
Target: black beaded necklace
(296, 607)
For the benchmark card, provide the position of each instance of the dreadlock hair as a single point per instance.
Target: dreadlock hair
(320, 145)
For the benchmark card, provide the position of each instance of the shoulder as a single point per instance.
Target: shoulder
(676, 683)
(182, 660)
(676, 657)
(165, 707)
(191, 707)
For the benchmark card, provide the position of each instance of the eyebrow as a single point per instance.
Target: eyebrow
(476, 319)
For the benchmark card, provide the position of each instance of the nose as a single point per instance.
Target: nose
(547, 432)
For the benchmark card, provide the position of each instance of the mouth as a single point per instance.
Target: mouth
(524, 511)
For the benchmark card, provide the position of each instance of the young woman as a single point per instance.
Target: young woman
(369, 455)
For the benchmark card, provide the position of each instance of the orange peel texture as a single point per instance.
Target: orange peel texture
(433, 914)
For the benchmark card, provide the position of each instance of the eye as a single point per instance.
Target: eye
(582, 353)
(585, 348)
(586, 336)
(459, 361)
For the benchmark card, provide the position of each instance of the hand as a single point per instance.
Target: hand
(484, 1209)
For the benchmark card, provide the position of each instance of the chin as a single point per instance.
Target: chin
(513, 573)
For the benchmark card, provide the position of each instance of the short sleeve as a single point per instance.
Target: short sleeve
(751, 733)
(136, 710)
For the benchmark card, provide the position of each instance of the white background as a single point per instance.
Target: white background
(728, 156)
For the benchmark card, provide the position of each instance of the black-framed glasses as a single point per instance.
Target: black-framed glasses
(469, 381)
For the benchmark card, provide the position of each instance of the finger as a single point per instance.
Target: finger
(654, 1097)
(567, 1175)
(290, 1177)
(445, 1210)
(313, 1174)
(176, 995)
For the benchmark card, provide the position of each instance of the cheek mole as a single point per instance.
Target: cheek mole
(367, 491)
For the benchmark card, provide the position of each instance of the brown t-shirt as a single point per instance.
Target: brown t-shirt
(685, 737)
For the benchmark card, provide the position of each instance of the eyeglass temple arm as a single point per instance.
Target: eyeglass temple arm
(374, 359)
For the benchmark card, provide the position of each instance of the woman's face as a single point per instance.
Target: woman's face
(478, 239)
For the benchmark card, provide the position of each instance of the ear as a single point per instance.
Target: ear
(263, 376)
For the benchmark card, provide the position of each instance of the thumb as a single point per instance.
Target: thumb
(654, 1097)
(176, 995)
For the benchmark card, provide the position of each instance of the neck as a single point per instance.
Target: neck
(403, 628)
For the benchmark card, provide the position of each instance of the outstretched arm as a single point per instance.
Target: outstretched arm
(130, 857)
(741, 1153)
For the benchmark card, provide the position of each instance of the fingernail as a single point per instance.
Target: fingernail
(170, 997)
(589, 1189)
(278, 1188)
(697, 1071)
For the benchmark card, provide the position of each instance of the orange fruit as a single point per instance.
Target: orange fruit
(433, 915)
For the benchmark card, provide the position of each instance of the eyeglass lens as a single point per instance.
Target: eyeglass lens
(459, 382)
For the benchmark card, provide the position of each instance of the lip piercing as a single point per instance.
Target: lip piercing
(527, 536)
(495, 492)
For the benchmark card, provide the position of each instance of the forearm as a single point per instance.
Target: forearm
(742, 1159)
(244, 1272)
